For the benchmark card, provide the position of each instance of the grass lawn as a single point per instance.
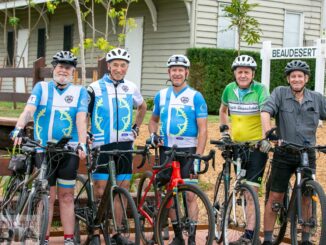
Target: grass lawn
(6, 110)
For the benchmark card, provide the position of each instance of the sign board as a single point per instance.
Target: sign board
(294, 53)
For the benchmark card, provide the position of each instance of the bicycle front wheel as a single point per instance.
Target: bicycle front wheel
(126, 222)
(14, 193)
(313, 227)
(219, 201)
(147, 205)
(242, 217)
(39, 217)
(191, 216)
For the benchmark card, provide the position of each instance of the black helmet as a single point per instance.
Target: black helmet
(297, 65)
(65, 57)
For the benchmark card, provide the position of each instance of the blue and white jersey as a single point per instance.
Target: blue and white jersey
(111, 110)
(56, 111)
(178, 114)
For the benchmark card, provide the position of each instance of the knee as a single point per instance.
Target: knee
(66, 198)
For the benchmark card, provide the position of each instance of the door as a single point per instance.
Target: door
(22, 58)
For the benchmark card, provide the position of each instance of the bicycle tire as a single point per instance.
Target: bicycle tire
(13, 207)
(205, 217)
(218, 206)
(129, 227)
(39, 219)
(312, 188)
(233, 229)
(281, 217)
(82, 202)
(146, 229)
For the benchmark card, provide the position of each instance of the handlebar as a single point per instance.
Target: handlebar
(298, 147)
(172, 154)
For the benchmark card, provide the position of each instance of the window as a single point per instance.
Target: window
(41, 43)
(293, 29)
(226, 38)
(67, 37)
(10, 48)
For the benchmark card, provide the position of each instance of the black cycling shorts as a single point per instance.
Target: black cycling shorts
(62, 169)
(254, 162)
(284, 165)
(123, 163)
(185, 164)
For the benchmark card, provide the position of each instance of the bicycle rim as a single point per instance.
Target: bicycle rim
(218, 206)
(242, 215)
(196, 222)
(82, 207)
(36, 230)
(314, 215)
(128, 221)
(147, 230)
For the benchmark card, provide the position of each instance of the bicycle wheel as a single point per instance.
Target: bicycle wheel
(126, 217)
(35, 231)
(14, 193)
(194, 222)
(281, 216)
(82, 207)
(148, 205)
(218, 206)
(313, 214)
(242, 217)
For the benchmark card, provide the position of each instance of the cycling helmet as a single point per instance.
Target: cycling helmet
(297, 65)
(244, 61)
(65, 57)
(118, 54)
(178, 60)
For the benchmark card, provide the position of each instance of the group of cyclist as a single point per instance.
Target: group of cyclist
(60, 108)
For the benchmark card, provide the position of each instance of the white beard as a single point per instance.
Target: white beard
(59, 81)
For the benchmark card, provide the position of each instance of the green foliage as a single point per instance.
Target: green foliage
(248, 27)
(13, 21)
(150, 103)
(211, 71)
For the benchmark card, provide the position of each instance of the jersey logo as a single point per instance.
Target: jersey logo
(125, 88)
(32, 99)
(182, 120)
(184, 100)
(69, 98)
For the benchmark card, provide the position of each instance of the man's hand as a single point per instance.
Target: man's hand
(135, 130)
(265, 146)
(270, 135)
(16, 135)
(226, 138)
(156, 140)
(82, 151)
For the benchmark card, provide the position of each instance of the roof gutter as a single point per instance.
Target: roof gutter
(18, 3)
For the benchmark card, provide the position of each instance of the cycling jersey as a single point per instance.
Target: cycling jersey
(178, 113)
(56, 111)
(244, 107)
(111, 108)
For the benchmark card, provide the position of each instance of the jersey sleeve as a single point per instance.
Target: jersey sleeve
(137, 97)
(91, 99)
(156, 107)
(36, 95)
(83, 100)
(224, 98)
(263, 96)
(200, 106)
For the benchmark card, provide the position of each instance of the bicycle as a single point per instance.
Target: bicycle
(25, 205)
(93, 216)
(154, 209)
(230, 205)
(306, 191)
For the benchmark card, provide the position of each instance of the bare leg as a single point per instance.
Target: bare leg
(67, 213)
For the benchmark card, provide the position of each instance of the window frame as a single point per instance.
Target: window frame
(301, 30)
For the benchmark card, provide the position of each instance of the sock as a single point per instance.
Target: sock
(68, 236)
(305, 236)
(268, 236)
(249, 234)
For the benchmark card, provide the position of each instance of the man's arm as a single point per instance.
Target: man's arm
(140, 114)
(153, 124)
(224, 117)
(81, 123)
(265, 121)
(202, 135)
(26, 116)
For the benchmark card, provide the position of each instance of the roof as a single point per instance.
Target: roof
(8, 4)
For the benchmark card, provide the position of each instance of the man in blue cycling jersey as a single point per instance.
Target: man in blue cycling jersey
(59, 109)
(111, 101)
(183, 114)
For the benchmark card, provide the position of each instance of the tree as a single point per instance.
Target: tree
(248, 27)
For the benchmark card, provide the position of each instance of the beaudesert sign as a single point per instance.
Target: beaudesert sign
(294, 53)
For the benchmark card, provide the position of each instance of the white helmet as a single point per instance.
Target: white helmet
(244, 61)
(178, 60)
(118, 54)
